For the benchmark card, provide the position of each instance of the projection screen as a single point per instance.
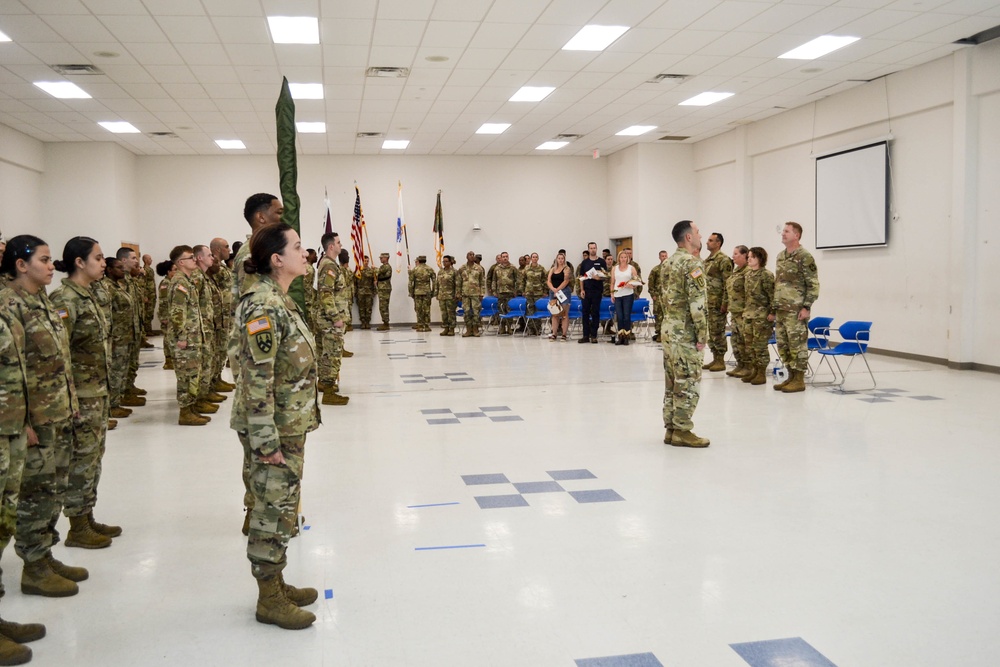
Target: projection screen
(852, 198)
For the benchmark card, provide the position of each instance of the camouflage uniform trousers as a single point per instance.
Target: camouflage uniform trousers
(383, 305)
(738, 339)
(716, 331)
(503, 307)
(333, 348)
(43, 487)
(168, 349)
(422, 306)
(207, 359)
(120, 351)
(365, 302)
(792, 335)
(12, 452)
(276, 491)
(89, 434)
(448, 317)
(221, 352)
(682, 375)
(133, 362)
(187, 369)
(658, 313)
(756, 333)
(472, 305)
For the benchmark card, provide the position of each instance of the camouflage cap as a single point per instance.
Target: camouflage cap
(384, 254)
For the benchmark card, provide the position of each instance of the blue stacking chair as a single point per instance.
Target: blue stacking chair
(639, 308)
(516, 310)
(575, 311)
(819, 335)
(607, 311)
(541, 314)
(488, 311)
(854, 343)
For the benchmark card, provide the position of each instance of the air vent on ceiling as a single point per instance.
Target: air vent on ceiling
(568, 137)
(674, 78)
(370, 135)
(672, 137)
(164, 135)
(388, 72)
(67, 70)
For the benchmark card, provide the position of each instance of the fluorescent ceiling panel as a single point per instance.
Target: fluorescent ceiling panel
(294, 29)
(635, 130)
(5, 38)
(230, 144)
(551, 145)
(531, 94)
(493, 128)
(595, 37)
(704, 99)
(306, 91)
(395, 144)
(64, 90)
(310, 128)
(119, 127)
(819, 47)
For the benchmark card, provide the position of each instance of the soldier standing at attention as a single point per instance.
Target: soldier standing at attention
(149, 292)
(101, 291)
(383, 279)
(222, 277)
(309, 289)
(207, 398)
(471, 285)
(87, 331)
(657, 281)
(718, 268)
(365, 290)
(122, 333)
(273, 409)
(736, 300)
(758, 315)
(185, 333)
(133, 281)
(638, 270)
(421, 290)
(447, 294)
(489, 276)
(166, 271)
(331, 294)
(258, 210)
(219, 331)
(52, 405)
(684, 334)
(504, 288)
(345, 265)
(534, 289)
(796, 288)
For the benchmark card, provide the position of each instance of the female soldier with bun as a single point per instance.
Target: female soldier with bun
(758, 316)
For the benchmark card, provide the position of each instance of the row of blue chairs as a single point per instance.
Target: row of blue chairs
(854, 336)
(517, 311)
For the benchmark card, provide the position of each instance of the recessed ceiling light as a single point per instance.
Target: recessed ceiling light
(493, 128)
(395, 144)
(106, 54)
(5, 38)
(635, 130)
(119, 127)
(551, 145)
(437, 59)
(595, 37)
(531, 94)
(230, 144)
(294, 29)
(64, 90)
(310, 128)
(819, 47)
(704, 99)
(306, 91)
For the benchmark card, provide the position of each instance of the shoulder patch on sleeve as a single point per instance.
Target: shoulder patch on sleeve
(181, 288)
(329, 272)
(62, 313)
(696, 273)
(258, 325)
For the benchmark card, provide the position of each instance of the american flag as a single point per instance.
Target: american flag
(358, 232)
(328, 229)
(439, 231)
(400, 231)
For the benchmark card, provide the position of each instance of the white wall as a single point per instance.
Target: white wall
(22, 161)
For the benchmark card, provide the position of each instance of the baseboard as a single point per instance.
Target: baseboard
(953, 365)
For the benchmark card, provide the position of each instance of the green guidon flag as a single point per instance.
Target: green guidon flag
(288, 173)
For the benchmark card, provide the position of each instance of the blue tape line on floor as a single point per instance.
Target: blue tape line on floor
(454, 546)
(328, 594)
(306, 527)
(411, 507)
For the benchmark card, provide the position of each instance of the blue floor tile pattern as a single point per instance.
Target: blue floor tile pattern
(596, 496)
(448, 416)
(562, 475)
(537, 487)
(494, 502)
(791, 652)
(420, 378)
(583, 496)
(399, 356)
(630, 660)
(491, 478)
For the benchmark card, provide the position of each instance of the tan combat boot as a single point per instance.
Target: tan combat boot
(668, 436)
(214, 397)
(322, 386)
(136, 391)
(204, 407)
(112, 424)
(133, 401)
(382, 327)
(71, 572)
(759, 377)
(467, 333)
(778, 386)
(346, 354)
(796, 383)
(120, 413)
(188, 417)
(222, 386)
(735, 371)
(276, 609)
(750, 373)
(102, 528)
(83, 536)
(22, 633)
(444, 333)
(718, 364)
(688, 439)
(37, 578)
(168, 365)
(748, 369)
(300, 597)
(333, 398)
(246, 521)
(12, 653)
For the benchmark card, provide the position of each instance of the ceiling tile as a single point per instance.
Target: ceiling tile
(404, 9)
(515, 11)
(188, 29)
(174, 7)
(230, 8)
(449, 34)
(728, 16)
(80, 28)
(203, 54)
(344, 56)
(391, 56)
(172, 74)
(241, 29)
(24, 29)
(498, 35)
(548, 37)
(154, 54)
(678, 14)
(482, 58)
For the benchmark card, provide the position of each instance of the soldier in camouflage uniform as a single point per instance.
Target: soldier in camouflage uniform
(758, 315)
(421, 290)
(223, 279)
(88, 333)
(471, 285)
(258, 210)
(383, 288)
(447, 294)
(52, 404)
(365, 291)
(13, 444)
(489, 276)
(148, 281)
(186, 336)
(345, 266)
(718, 268)
(219, 331)
(207, 397)
(331, 293)
(736, 303)
(133, 281)
(684, 334)
(796, 288)
(122, 337)
(638, 271)
(273, 409)
(504, 287)
(309, 290)
(656, 282)
(534, 288)
(166, 271)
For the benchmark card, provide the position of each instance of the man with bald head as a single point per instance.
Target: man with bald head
(222, 278)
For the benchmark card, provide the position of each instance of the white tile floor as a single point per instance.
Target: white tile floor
(867, 529)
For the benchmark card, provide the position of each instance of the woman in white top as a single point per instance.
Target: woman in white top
(622, 296)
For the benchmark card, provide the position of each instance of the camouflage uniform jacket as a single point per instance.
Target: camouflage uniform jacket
(759, 286)
(223, 279)
(684, 319)
(89, 344)
(241, 281)
(134, 287)
(656, 280)
(309, 288)
(718, 267)
(148, 281)
(796, 281)
(489, 278)
(206, 310)
(447, 285)
(51, 394)
(348, 284)
(185, 318)
(121, 322)
(534, 282)
(219, 317)
(276, 389)
(365, 283)
(384, 276)
(163, 305)
(422, 281)
(471, 281)
(736, 289)
(331, 293)
(519, 286)
(13, 387)
(504, 280)
(101, 291)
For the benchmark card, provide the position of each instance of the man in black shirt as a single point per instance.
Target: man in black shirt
(591, 290)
